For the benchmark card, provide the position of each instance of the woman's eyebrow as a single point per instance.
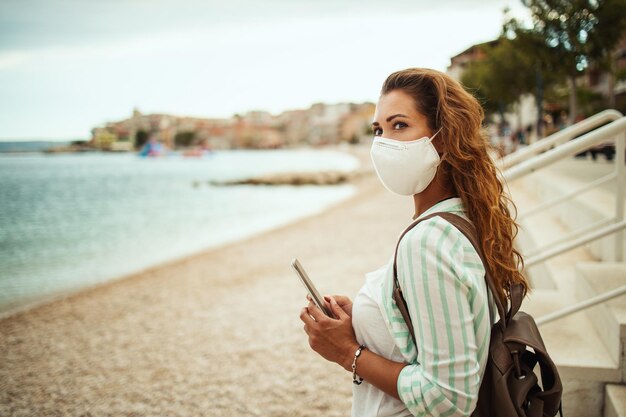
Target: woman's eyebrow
(390, 118)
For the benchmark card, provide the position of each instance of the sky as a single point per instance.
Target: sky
(67, 66)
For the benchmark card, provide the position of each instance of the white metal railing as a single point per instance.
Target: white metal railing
(550, 203)
(615, 130)
(571, 148)
(582, 240)
(559, 137)
(598, 299)
(527, 161)
(574, 235)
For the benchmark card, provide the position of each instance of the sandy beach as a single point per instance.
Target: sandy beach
(214, 334)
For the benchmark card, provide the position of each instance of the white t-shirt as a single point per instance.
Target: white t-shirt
(371, 331)
(443, 282)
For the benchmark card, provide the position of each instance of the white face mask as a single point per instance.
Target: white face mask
(405, 168)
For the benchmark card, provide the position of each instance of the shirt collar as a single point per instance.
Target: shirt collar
(454, 204)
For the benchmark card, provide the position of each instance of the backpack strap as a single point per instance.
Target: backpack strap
(409, 227)
(469, 231)
(516, 292)
(397, 290)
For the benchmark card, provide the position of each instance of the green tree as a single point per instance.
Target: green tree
(502, 77)
(477, 78)
(184, 139)
(575, 34)
(141, 137)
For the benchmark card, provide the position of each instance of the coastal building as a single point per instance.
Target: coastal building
(355, 126)
(326, 122)
(133, 133)
(319, 125)
(461, 61)
(598, 88)
(294, 126)
(256, 129)
(525, 113)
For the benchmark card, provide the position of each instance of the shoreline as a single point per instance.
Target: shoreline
(34, 302)
(65, 294)
(213, 334)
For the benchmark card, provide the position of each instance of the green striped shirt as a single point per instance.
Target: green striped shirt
(442, 279)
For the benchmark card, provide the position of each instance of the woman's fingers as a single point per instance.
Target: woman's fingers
(306, 317)
(344, 302)
(329, 336)
(337, 310)
(341, 299)
(327, 302)
(316, 313)
(312, 314)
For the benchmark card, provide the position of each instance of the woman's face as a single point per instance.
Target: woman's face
(396, 118)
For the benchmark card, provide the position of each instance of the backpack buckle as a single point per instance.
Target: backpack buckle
(519, 374)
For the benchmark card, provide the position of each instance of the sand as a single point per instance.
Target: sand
(214, 334)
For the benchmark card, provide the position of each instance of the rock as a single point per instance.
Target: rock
(295, 178)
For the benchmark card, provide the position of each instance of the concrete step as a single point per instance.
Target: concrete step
(572, 341)
(585, 209)
(540, 230)
(609, 318)
(585, 362)
(614, 401)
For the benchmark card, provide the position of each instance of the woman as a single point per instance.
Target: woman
(428, 144)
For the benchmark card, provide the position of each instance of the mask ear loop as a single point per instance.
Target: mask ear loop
(431, 140)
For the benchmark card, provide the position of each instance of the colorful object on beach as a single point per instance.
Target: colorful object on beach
(152, 149)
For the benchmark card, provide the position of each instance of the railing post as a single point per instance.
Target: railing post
(620, 184)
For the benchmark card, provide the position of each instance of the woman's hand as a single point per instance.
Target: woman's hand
(332, 338)
(344, 302)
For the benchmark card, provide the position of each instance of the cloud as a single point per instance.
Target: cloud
(34, 24)
(12, 59)
(216, 64)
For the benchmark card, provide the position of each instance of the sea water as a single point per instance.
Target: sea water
(74, 220)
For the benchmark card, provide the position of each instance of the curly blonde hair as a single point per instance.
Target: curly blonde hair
(466, 161)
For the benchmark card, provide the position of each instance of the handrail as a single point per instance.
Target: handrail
(583, 240)
(570, 148)
(615, 130)
(559, 137)
(574, 235)
(620, 185)
(567, 196)
(516, 167)
(582, 305)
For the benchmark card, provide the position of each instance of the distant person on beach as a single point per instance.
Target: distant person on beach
(428, 145)
(152, 148)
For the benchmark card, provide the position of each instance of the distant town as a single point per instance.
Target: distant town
(321, 124)
(516, 112)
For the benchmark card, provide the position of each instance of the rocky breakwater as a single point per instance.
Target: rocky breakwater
(295, 178)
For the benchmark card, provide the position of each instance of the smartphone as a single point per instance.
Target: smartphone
(318, 300)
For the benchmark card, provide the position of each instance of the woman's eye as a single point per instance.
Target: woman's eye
(378, 131)
(399, 125)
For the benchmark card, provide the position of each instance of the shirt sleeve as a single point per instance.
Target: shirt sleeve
(438, 291)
